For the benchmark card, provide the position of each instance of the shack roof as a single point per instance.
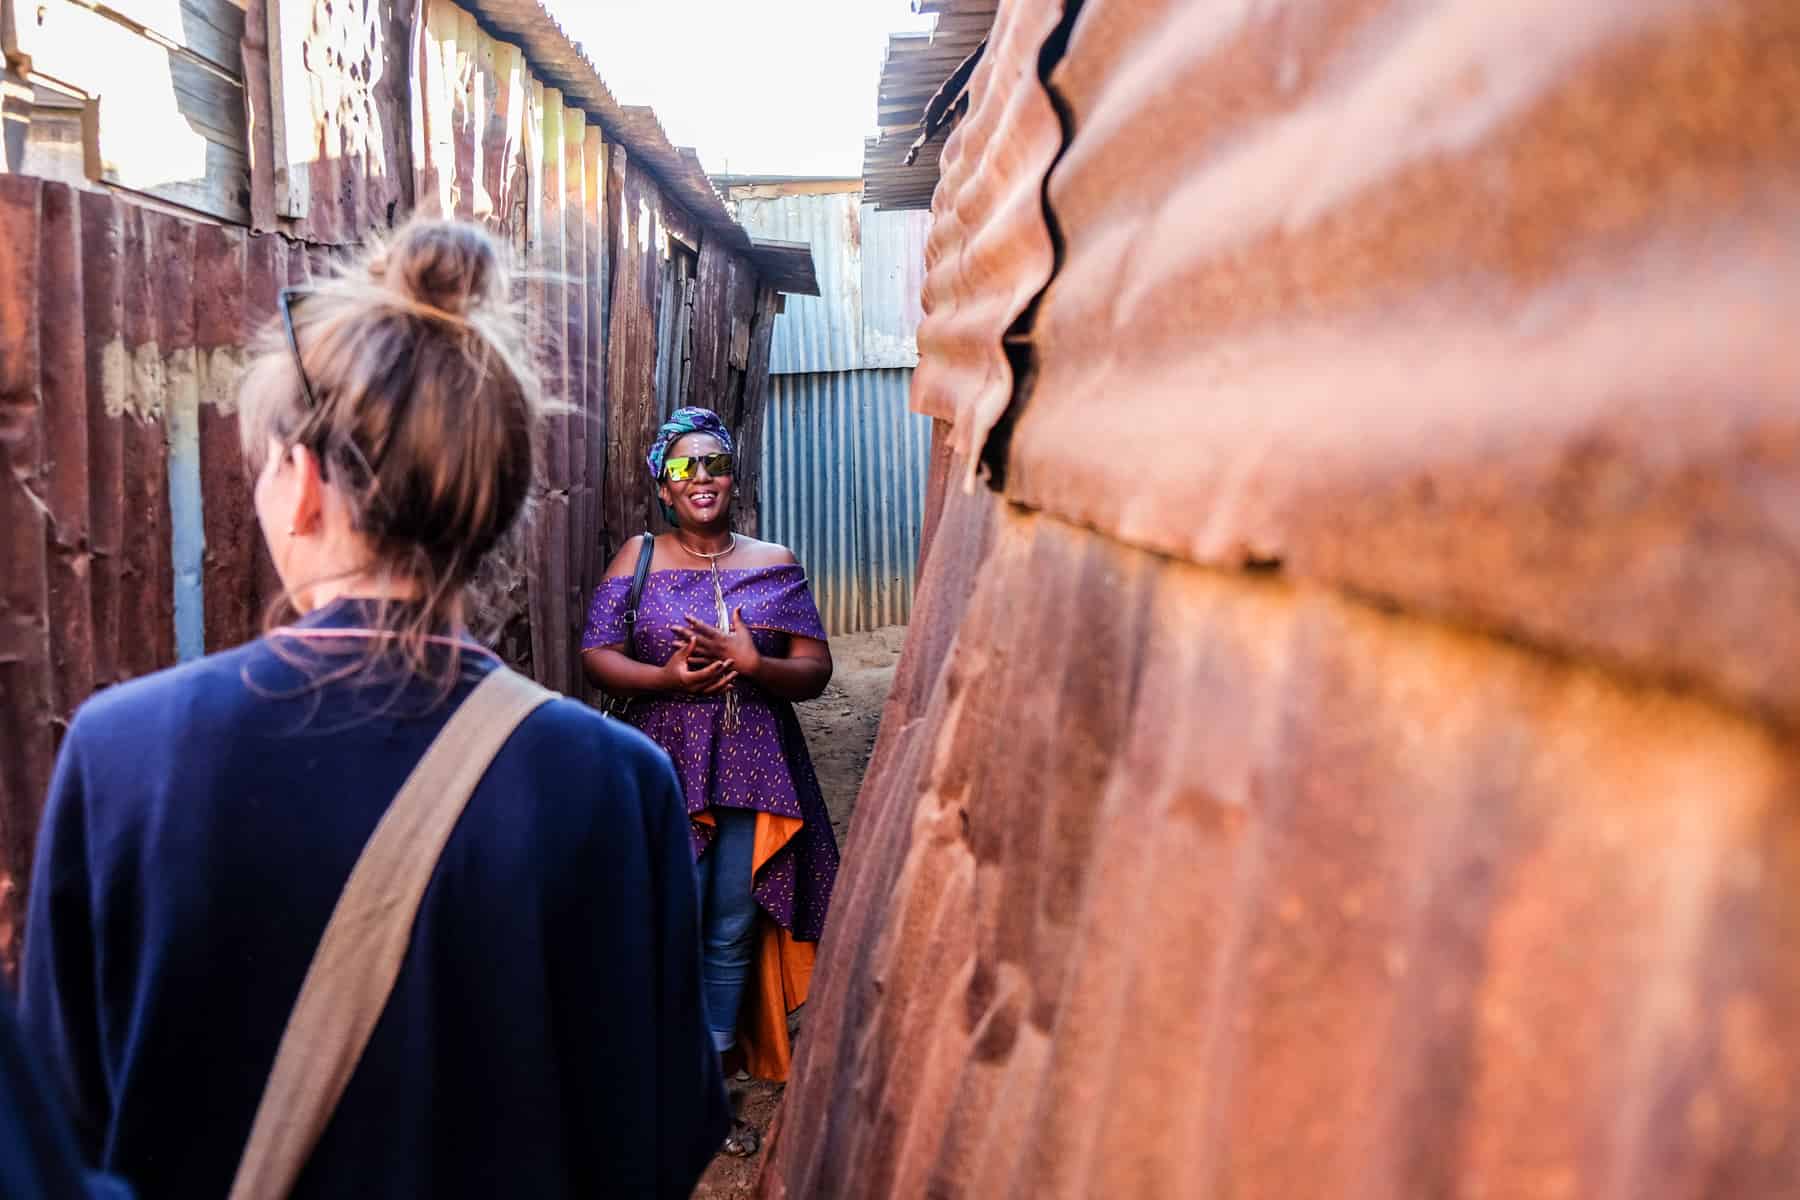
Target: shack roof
(560, 62)
(900, 163)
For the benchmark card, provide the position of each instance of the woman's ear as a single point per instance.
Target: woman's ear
(309, 491)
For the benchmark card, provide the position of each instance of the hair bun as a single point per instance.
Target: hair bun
(449, 265)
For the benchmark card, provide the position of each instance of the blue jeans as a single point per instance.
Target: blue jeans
(727, 921)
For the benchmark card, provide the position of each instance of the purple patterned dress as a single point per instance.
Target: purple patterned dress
(762, 765)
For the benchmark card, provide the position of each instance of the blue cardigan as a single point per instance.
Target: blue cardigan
(546, 1035)
(37, 1156)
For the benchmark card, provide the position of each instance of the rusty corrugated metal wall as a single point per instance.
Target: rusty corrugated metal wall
(124, 332)
(1354, 752)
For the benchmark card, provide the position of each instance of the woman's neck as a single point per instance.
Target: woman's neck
(357, 587)
(706, 541)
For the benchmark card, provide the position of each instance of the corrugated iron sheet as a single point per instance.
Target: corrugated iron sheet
(823, 332)
(1174, 882)
(124, 329)
(1359, 718)
(560, 63)
(870, 267)
(893, 279)
(1541, 268)
(845, 466)
(990, 251)
(352, 162)
(913, 68)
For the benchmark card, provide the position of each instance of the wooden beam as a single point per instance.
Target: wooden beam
(681, 224)
(290, 115)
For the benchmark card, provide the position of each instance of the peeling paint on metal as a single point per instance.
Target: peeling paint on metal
(187, 522)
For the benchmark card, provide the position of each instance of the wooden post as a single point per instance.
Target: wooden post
(291, 116)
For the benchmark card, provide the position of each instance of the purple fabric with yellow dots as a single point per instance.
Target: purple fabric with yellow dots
(763, 764)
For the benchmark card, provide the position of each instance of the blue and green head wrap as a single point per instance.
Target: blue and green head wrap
(681, 423)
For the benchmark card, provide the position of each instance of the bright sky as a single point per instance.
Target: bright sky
(786, 88)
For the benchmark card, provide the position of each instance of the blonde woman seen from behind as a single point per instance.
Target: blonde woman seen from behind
(545, 1033)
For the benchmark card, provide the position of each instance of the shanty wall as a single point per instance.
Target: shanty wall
(1350, 748)
(130, 540)
(130, 537)
(845, 462)
(845, 465)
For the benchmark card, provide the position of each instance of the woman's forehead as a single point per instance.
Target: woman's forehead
(695, 443)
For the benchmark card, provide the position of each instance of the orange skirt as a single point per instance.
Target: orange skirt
(780, 971)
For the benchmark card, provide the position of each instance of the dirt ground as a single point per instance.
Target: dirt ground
(840, 732)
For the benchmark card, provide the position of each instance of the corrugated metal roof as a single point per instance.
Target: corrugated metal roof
(913, 69)
(561, 63)
(869, 266)
(844, 470)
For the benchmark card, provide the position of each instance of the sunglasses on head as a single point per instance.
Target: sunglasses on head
(285, 301)
(684, 467)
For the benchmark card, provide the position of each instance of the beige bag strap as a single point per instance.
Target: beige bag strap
(353, 971)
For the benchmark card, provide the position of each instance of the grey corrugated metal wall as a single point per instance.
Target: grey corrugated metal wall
(844, 458)
(844, 466)
(823, 332)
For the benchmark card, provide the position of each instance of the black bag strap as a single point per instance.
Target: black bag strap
(615, 706)
(646, 552)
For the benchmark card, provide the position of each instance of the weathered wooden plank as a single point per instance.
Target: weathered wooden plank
(681, 225)
(210, 30)
(631, 353)
(577, 548)
(755, 414)
(290, 110)
(712, 326)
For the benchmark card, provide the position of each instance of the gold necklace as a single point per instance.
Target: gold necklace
(723, 615)
(715, 555)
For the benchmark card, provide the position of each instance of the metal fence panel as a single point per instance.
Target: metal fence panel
(844, 469)
(823, 332)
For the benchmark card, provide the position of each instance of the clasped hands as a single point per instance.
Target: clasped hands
(707, 660)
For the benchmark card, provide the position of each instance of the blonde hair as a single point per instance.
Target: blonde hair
(426, 422)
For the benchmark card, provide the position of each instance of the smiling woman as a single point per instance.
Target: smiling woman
(725, 636)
